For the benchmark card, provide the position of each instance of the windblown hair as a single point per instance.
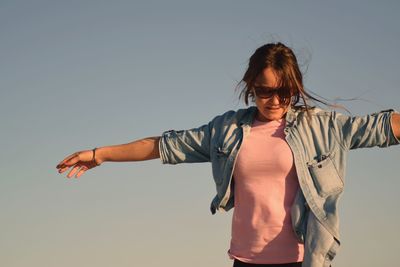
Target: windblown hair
(283, 61)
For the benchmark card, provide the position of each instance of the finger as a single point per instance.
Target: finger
(61, 170)
(69, 161)
(82, 171)
(73, 171)
(66, 159)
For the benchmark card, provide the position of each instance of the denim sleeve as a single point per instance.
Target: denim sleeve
(365, 131)
(186, 146)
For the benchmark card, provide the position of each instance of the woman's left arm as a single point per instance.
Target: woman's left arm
(396, 124)
(377, 129)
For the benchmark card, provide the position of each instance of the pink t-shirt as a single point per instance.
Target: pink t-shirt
(266, 183)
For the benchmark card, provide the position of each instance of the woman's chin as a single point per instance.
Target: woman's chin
(270, 115)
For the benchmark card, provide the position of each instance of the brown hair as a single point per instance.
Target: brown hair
(283, 61)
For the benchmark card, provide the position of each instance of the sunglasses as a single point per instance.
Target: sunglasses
(264, 93)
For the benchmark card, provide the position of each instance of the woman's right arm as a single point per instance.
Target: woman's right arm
(139, 150)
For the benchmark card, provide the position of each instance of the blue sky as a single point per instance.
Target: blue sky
(81, 74)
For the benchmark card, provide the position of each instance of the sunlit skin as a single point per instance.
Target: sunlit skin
(396, 124)
(269, 109)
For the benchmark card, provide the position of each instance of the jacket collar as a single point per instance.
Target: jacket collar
(291, 116)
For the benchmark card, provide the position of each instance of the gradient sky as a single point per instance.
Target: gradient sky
(81, 74)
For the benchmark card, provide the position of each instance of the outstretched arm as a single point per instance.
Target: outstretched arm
(377, 129)
(143, 149)
(396, 124)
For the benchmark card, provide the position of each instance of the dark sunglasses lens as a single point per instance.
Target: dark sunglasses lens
(283, 93)
(261, 93)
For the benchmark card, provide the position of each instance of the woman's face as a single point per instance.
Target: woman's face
(270, 108)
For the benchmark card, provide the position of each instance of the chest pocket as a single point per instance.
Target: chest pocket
(325, 176)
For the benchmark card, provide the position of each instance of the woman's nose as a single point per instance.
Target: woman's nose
(275, 100)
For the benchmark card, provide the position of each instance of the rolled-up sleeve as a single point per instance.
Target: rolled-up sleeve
(365, 131)
(186, 146)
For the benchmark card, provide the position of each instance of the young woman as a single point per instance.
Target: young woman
(281, 164)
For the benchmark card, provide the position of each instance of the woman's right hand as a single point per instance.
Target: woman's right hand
(79, 161)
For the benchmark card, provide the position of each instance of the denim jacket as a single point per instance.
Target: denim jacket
(319, 143)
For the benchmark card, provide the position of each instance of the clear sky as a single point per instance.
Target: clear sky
(81, 74)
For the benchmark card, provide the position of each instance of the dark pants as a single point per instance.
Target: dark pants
(238, 263)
